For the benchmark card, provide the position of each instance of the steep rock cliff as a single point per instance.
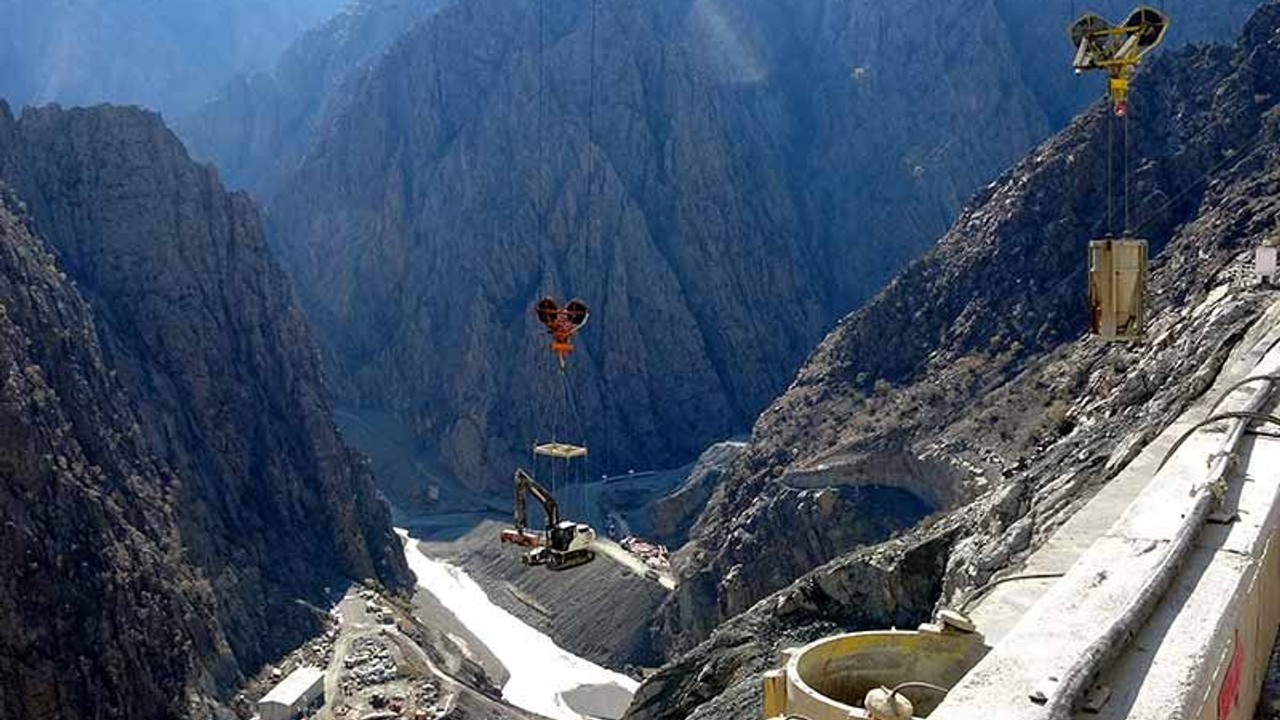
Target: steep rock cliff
(102, 616)
(187, 379)
(988, 389)
(757, 169)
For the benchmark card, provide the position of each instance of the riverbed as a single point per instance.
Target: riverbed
(543, 677)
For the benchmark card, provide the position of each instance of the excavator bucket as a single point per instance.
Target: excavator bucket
(523, 538)
(1117, 288)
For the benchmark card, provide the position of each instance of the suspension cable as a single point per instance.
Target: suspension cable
(1111, 195)
(589, 225)
(1125, 179)
(543, 240)
(591, 154)
(1234, 156)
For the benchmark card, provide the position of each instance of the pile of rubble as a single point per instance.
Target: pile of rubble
(422, 705)
(655, 556)
(369, 663)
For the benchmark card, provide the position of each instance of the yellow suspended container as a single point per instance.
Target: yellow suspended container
(1118, 288)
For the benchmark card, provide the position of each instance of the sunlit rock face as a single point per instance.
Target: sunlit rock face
(991, 387)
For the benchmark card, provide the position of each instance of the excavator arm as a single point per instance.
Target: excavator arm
(526, 485)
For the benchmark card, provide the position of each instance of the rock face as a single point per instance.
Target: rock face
(171, 56)
(891, 585)
(989, 387)
(173, 483)
(260, 124)
(754, 170)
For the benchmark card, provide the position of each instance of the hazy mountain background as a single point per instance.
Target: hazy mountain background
(168, 55)
(259, 125)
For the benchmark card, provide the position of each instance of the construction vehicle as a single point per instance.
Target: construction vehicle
(562, 545)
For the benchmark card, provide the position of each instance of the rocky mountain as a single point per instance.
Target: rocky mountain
(747, 173)
(170, 56)
(990, 398)
(257, 128)
(175, 497)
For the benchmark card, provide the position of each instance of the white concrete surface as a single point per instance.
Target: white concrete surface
(541, 673)
(998, 612)
(1176, 661)
(1178, 658)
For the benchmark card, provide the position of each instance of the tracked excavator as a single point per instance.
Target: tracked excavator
(562, 545)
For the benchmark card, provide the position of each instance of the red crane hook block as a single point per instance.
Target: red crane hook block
(562, 323)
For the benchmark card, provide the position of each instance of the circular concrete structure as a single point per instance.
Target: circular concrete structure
(828, 679)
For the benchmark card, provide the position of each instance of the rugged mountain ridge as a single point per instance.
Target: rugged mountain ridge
(260, 124)
(170, 56)
(757, 169)
(81, 492)
(187, 468)
(990, 382)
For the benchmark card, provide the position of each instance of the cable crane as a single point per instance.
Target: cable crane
(562, 324)
(1117, 49)
(1117, 265)
(563, 544)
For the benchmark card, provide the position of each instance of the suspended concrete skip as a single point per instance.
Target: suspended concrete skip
(544, 678)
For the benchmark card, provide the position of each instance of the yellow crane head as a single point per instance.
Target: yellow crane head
(1118, 49)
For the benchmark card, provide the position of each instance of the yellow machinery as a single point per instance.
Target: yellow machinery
(1117, 265)
(1117, 288)
(1117, 49)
